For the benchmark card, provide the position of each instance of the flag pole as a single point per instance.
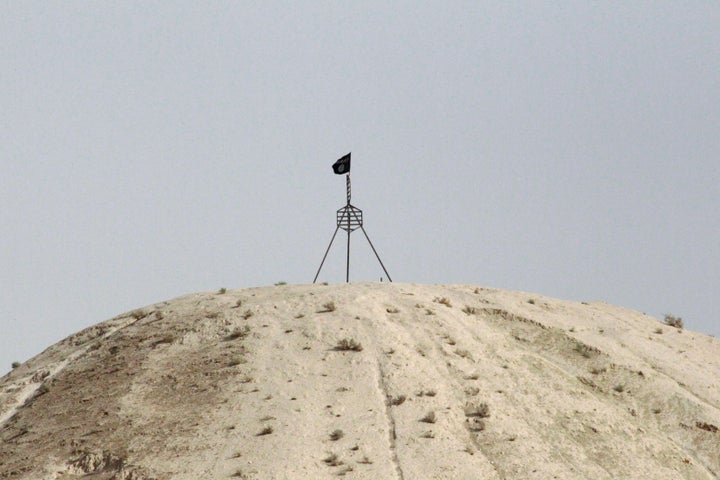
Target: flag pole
(347, 265)
(348, 218)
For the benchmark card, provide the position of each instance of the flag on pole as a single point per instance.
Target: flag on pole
(342, 166)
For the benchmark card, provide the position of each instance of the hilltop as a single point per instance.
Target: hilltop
(367, 381)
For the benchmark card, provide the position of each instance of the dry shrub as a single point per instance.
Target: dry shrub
(427, 393)
(583, 349)
(673, 321)
(463, 353)
(470, 391)
(429, 417)
(476, 424)
(709, 427)
(443, 300)
(481, 410)
(332, 460)
(327, 307)
(241, 333)
(348, 344)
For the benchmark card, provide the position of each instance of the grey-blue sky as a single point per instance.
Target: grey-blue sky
(152, 149)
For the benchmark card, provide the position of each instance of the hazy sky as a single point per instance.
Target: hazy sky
(154, 149)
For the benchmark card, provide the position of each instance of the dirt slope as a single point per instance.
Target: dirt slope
(432, 382)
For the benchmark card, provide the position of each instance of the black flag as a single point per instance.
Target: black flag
(342, 166)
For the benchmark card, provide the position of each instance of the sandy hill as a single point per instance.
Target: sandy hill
(367, 381)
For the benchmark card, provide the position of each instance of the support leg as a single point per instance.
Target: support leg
(347, 268)
(375, 252)
(326, 253)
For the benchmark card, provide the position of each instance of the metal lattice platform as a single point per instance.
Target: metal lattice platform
(349, 218)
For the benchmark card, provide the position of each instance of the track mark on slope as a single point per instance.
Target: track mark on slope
(382, 386)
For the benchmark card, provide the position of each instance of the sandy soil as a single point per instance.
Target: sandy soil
(367, 381)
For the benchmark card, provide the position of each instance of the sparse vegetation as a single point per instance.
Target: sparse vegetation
(222, 291)
(397, 400)
(619, 388)
(327, 307)
(583, 349)
(673, 321)
(281, 282)
(429, 417)
(265, 431)
(235, 361)
(138, 314)
(481, 410)
(336, 435)
(332, 460)
(659, 331)
(240, 332)
(427, 393)
(428, 434)
(531, 301)
(587, 382)
(392, 310)
(166, 338)
(429, 312)
(463, 353)
(443, 300)
(16, 365)
(347, 469)
(348, 344)
(248, 313)
(471, 391)
(468, 310)
(476, 424)
(709, 427)
(365, 460)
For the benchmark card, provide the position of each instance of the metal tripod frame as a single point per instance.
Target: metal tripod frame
(350, 218)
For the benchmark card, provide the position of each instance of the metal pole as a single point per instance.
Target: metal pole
(347, 267)
(326, 253)
(376, 254)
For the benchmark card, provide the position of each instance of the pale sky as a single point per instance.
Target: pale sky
(155, 149)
